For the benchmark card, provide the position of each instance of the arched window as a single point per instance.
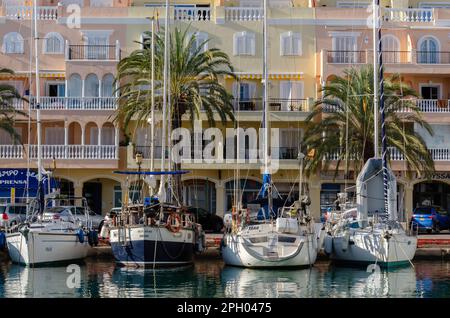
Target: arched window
(74, 86)
(12, 43)
(107, 85)
(53, 43)
(428, 50)
(391, 49)
(91, 86)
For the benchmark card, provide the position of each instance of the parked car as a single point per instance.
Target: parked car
(210, 222)
(77, 212)
(430, 219)
(12, 214)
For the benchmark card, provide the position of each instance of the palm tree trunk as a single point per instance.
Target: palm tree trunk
(176, 185)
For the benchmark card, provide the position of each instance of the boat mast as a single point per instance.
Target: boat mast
(152, 84)
(267, 182)
(161, 192)
(38, 106)
(375, 18)
(382, 113)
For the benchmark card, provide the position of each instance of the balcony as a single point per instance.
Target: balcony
(93, 52)
(192, 14)
(76, 103)
(404, 62)
(438, 154)
(244, 13)
(415, 15)
(108, 152)
(275, 104)
(429, 105)
(11, 152)
(26, 12)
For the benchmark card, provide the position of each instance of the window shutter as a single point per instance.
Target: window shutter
(94, 136)
(252, 50)
(252, 90)
(285, 94)
(297, 90)
(236, 40)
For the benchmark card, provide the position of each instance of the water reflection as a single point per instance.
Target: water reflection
(209, 278)
(269, 283)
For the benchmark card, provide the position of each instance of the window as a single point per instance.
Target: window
(74, 89)
(54, 135)
(117, 196)
(244, 95)
(428, 51)
(391, 49)
(12, 43)
(7, 139)
(430, 91)
(97, 42)
(146, 41)
(91, 86)
(56, 89)
(345, 49)
(200, 38)
(244, 43)
(291, 94)
(290, 44)
(290, 140)
(430, 5)
(108, 135)
(108, 85)
(53, 43)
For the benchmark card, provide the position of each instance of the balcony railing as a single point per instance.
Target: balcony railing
(11, 151)
(437, 154)
(192, 14)
(76, 103)
(347, 57)
(275, 104)
(26, 12)
(244, 13)
(390, 57)
(428, 105)
(408, 15)
(93, 52)
(75, 151)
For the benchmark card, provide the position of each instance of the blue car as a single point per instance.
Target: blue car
(430, 219)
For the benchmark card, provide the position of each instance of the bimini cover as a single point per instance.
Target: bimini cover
(370, 191)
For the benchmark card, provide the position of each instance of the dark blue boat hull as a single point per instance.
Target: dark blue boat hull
(142, 253)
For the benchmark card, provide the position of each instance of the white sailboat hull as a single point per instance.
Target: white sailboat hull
(365, 247)
(40, 248)
(290, 250)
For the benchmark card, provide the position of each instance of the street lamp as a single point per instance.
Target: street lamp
(138, 159)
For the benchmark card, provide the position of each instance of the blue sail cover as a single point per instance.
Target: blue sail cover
(264, 212)
(23, 180)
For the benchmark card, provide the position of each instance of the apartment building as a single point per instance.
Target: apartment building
(309, 42)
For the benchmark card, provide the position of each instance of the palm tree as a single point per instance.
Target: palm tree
(349, 99)
(194, 81)
(8, 112)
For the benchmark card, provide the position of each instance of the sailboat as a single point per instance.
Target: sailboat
(155, 232)
(370, 232)
(60, 239)
(282, 238)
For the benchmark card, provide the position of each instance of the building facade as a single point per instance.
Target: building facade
(81, 42)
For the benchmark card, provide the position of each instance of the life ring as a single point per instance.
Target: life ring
(174, 228)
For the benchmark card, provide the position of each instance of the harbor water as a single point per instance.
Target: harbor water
(210, 278)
